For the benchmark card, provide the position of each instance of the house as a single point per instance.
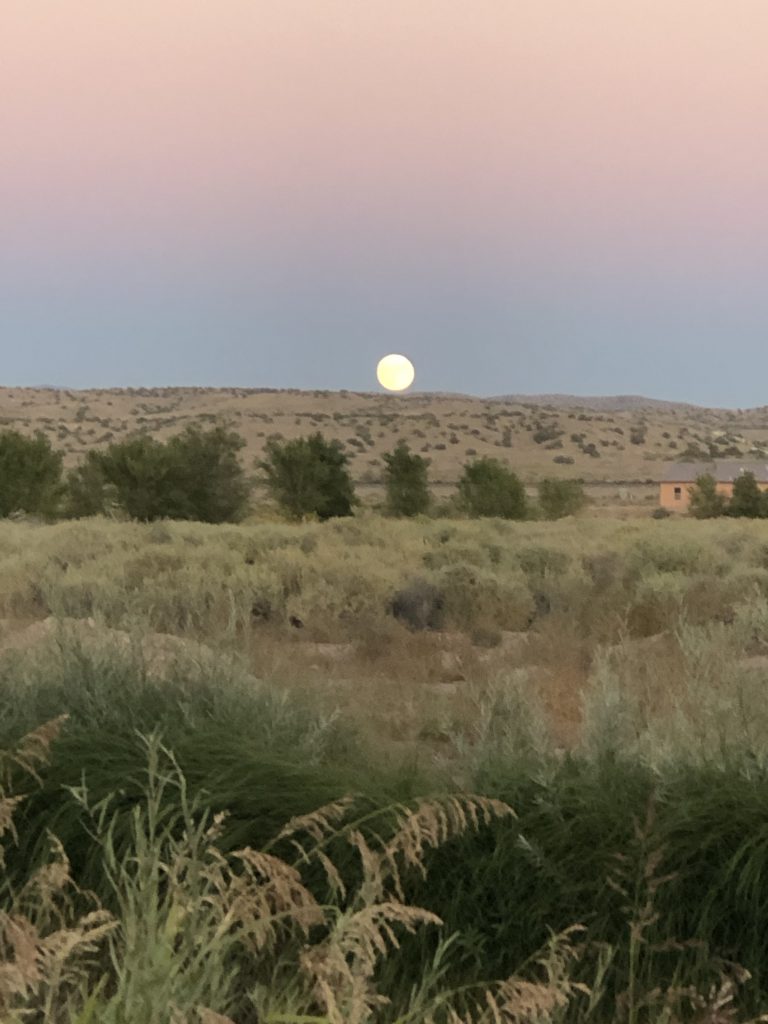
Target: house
(680, 476)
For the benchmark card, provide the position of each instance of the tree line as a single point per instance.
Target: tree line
(198, 475)
(746, 500)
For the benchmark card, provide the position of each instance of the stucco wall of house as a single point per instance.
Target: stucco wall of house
(669, 499)
(679, 502)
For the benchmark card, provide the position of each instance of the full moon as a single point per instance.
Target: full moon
(395, 373)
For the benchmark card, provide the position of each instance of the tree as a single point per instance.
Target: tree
(213, 487)
(747, 499)
(488, 488)
(559, 498)
(309, 476)
(85, 488)
(196, 476)
(705, 502)
(406, 481)
(30, 474)
(147, 485)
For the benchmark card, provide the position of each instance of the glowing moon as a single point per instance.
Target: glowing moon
(395, 373)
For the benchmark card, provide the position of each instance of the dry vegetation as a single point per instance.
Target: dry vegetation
(543, 604)
(591, 692)
(618, 451)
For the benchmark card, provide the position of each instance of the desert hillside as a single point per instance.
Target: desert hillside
(624, 440)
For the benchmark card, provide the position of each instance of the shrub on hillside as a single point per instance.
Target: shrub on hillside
(558, 498)
(694, 453)
(549, 432)
(309, 476)
(488, 488)
(30, 474)
(637, 433)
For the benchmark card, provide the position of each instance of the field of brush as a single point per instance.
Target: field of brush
(618, 447)
(384, 771)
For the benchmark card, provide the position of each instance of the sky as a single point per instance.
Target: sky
(522, 196)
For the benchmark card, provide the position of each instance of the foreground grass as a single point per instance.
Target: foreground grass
(646, 831)
(661, 866)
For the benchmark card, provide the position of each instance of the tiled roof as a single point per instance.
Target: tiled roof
(725, 471)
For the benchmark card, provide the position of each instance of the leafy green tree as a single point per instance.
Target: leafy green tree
(196, 475)
(86, 488)
(212, 484)
(147, 484)
(309, 476)
(406, 481)
(705, 502)
(30, 474)
(747, 498)
(558, 498)
(488, 488)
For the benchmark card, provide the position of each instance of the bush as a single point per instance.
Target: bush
(138, 470)
(705, 502)
(637, 434)
(195, 476)
(309, 476)
(30, 474)
(559, 498)
(546, 433)
(488, 488)
(85, 489)
(214, 484)
(418, 605)
(406, 482)
(747, 499)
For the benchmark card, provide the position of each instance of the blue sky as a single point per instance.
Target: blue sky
(530, 197)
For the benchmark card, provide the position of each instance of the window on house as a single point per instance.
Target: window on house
(678, 493)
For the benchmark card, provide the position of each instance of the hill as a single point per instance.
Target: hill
(618, 441)
(601, 403)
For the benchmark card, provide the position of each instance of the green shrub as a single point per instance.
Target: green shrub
(488, 488)
(86, 489)
(30, 475)
(705, 502)
(309, 476)
(405, 477)
(559, 498)
(536, 560)
(747, 499)
(196, 475)
(147, 485)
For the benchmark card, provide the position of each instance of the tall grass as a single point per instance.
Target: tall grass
(625, 725)
(577, 851)
(199, 935)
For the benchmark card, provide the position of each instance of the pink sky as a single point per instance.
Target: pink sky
(598, 136)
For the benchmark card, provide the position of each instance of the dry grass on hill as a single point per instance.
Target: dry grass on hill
(624, 446)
